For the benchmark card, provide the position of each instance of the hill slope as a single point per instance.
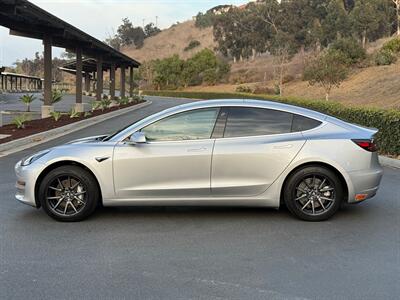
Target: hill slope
(372, 86)
(173, 41)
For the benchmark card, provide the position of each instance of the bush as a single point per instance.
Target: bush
(105, 103)
(384, 58)
(392, 46)
(20, 121)
(243, 89)
(74, 114)
(351, 49)
(193, 44)
(56, 115)
(387, 121)
(95, 105)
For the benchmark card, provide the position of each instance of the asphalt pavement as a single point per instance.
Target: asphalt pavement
(197, 253)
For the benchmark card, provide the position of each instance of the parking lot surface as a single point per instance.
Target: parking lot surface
(197, 253)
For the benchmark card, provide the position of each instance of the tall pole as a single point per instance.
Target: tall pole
(47, 70)
(112, 81)
(131, 81)
(122, 91)
(78, 76)
(99, 90)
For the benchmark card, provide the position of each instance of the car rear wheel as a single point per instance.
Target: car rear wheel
(313, 193)
(69, 193)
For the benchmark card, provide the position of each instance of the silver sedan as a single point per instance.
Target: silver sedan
(218, 152)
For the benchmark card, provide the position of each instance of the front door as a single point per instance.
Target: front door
(175, 161)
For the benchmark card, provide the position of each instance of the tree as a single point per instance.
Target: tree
(282, 48)
(328, 70)
(130, 35)
(151, 30)
(397, 4)
(365, 18)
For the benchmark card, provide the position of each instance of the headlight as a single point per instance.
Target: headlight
(30, 159)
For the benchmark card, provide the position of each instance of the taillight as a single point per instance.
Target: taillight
(368, 145)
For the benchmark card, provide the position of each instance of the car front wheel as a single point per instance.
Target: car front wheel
(313, 193)
(69, 193)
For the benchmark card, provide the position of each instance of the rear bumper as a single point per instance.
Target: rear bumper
(365, 184)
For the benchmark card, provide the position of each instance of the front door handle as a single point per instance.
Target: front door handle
(202, 149)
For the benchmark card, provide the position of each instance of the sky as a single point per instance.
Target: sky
(101, 18)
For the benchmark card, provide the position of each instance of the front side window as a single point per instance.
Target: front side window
(192, 125)
(247, 121)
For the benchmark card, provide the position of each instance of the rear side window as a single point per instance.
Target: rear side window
(245, 121)
(301, 123)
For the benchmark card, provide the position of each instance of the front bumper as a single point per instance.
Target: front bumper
(26, 180)
(365, 184)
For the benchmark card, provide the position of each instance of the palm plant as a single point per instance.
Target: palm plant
(20, 121)
(27, 99)
(56, 115)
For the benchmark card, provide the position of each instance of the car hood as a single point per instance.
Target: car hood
(90, 139)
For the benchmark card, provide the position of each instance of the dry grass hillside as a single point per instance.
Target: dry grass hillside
(372, 86)
(377, 86)
(173, 41)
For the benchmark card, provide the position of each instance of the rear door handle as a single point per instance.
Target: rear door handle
(202, 149)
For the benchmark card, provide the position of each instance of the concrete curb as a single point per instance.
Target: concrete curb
(42, 137)
(389, 162)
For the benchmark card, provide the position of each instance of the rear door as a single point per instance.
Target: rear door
(255, 147)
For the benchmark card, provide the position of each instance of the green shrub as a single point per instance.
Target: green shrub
(105, 103)
(387, 121)
(56, 96)
(27, 100)
(243, 89)
(384, 58)
(95, 105)
(350, 48)
(56, 115)
(20, 121)
(123, 101)
(74, 114)
(392, 46)
(87, 114)
(193, 44)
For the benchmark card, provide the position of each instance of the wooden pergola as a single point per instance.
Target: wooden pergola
(12, 81)
(28, 20)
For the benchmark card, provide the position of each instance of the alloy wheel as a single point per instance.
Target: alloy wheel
(66, 195)
(314, 194)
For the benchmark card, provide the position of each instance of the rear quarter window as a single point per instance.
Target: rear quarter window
(301, 123)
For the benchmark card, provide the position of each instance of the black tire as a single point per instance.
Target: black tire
(71, 184)
(307, 191)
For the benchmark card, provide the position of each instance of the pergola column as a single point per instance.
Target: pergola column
(99, 90)
(112, 81)
(87, 82)
(78, 87)
(2, 82)
(5, 82)
(122, 90)
(131, 81)
(47, 105)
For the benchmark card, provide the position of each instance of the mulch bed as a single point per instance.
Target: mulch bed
(40, 125)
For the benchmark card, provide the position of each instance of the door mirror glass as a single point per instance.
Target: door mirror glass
(137, 138)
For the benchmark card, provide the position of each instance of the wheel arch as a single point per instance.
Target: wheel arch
(59, 164)
(316, 164)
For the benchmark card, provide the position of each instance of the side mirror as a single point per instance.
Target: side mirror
(137, 138)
